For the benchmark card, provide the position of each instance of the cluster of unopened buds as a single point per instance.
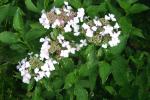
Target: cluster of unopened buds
(103, 32)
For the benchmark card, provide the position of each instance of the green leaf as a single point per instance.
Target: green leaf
(94, 10)
(124, 4)
(4, 12)
(86, 3)
(80, 93)
(58, 3)
(29, 4)
(8, 37)
(137, 8)
(75, 3)
(70, 79)
(119, 70)
(111, 90)
(126, 25)
(137, 32)
(34, 34)
(37, 92)
(18, 20)
(131, 1)
(104, 71)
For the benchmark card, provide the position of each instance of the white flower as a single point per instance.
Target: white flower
(83, 42)
(80, 14)
(76, 20)
(116, 26)
(112, 17)
(89, 33)
(76, 28)
(47, 74)
(45, 67)
(44, 53)
(114, 42)
(36, 70)
(97, 22)
(94, 28)
(85, 26)
(76, 33)
(67, 28)
(57, 11)
(104, 45)
(60, 38)
(107, 30)
(66, 3)
(26, 78)
(56, 23)
(70, 49)
(44, 21)
(51, 63)
(107, 17)
(64, 53)
(114, 39)
(65, 44)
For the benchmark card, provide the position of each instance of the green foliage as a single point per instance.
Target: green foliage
(8, 37)
(104, 71)
(94, 73)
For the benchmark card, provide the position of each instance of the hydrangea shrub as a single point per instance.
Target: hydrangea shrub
(73, 50)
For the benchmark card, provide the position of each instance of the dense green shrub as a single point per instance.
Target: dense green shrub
(94, 73)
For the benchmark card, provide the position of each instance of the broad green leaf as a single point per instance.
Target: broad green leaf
(124, 4)
(58, 3)
(83, 70)
(111, 90)
(126, 25)
(104, 71)
(70, 79)
(46, 4)
(18, 20)
(75, 3)
(119, 70)
(137, 32)
(8, 37)
(92, 80)
(31, 85)
(4, 12)
(19, 47)
(67, 64)
(57, 83)
(86, 3)
(138, 8)
(34, 34)
(80, 93)
(131, 1)
(94, 10)
(40, 5)
(36, 25)
(37, 92)
(31, 6)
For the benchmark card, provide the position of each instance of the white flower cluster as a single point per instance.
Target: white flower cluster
(79, 22)
(44, 70)
(103, 32)
(67, 47)
(23, 67)
(41, 67)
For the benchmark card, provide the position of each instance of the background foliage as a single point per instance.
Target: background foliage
(122, 72)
